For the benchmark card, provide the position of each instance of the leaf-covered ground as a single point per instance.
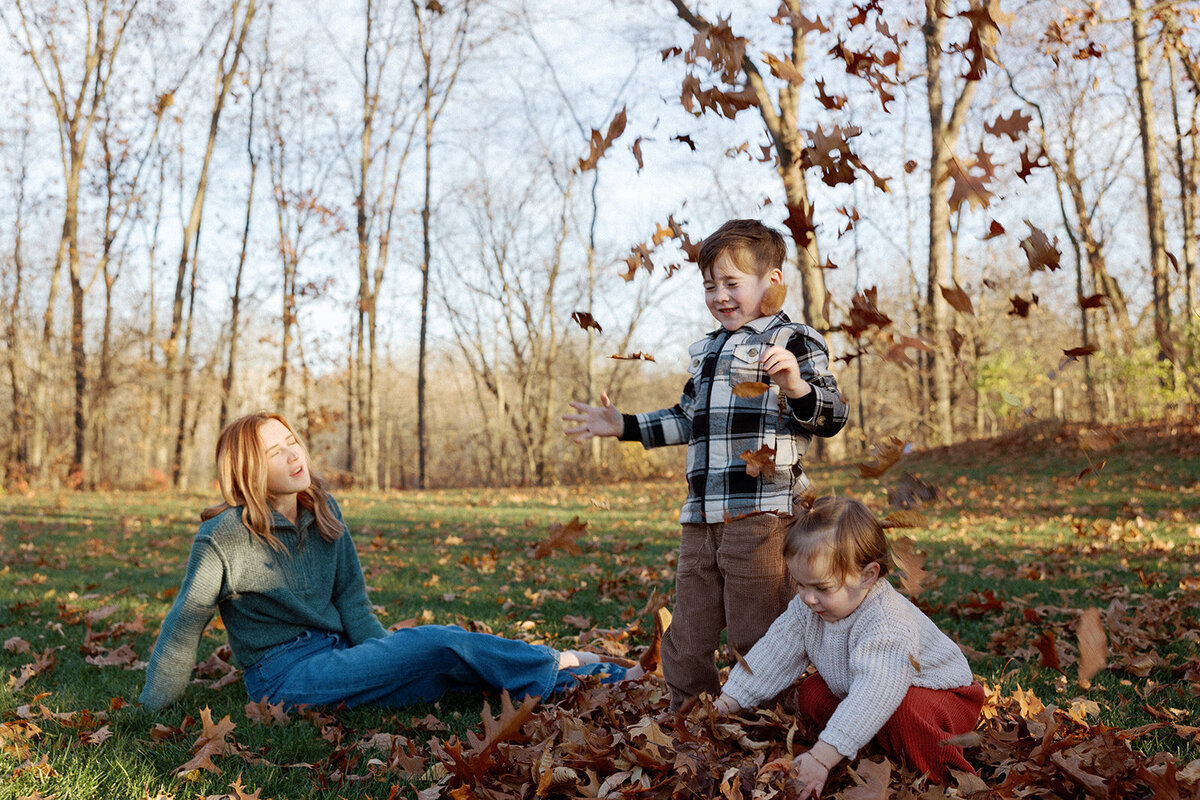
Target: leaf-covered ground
(1048, 555)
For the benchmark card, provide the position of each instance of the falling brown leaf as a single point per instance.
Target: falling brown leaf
(886, 455)
(772, 300)
(1047, 645)
(738, 659)
(760, 462)
(585, 320)
(1011, 126)
(1093, 646)
(600, 143)
(1080, 352)
(1039, 250)
(958, 299)
(994, 229)
(1021, 306)
(747, 389)
(1093, 301)
(633, 357)
(911, 564)
(562, 537)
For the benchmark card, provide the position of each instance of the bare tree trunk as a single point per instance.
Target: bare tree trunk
(184, 432)
(944, 134)
(441, 84)
(75, 115)
(16, 462)
(425, 213)
(226, 72)
(1154, 205)
(236, 299)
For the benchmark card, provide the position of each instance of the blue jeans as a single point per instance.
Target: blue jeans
(411, 665)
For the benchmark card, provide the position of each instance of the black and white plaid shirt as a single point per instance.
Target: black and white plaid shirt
(718, 426)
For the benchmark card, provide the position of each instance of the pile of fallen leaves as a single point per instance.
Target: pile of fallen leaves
(620, 741)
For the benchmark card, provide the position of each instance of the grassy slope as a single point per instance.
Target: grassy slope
(1017, 546)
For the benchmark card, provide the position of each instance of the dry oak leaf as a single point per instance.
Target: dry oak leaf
(873, 778)
(1093, 301)
(1020, 306)
(772, 300)
(968, 188)
(16, 645)
(562, 537)
(585, 320)
(995, 229)
(633, 357)
(748, 389)
(1093, 646)
(911, 564)
(760, 462)
(1011, 126)
(886, 456)
(958, 299)
(1080, 352)
(211, 742)
(800, 222)
(265, 713)
(1039, 250)
(865, 313)
(600, 143)
(122, 656)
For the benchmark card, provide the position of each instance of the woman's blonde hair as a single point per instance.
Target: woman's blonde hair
(242, 475)
(844, 528)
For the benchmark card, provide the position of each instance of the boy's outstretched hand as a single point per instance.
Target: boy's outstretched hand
(601, 420)
(784, 369)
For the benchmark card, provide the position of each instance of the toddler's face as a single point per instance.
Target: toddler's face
(734, 297)
(830, 599)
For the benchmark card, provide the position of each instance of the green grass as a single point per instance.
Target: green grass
(1015, 521)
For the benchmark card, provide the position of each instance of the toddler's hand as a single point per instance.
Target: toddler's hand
(727, 705)
(810, 776)
(601, 420)
(784, 369)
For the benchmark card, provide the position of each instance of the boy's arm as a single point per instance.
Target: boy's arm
(663, 427)
(601, 420)
(821, 412)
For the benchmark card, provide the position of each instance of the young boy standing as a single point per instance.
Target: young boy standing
(744, 452)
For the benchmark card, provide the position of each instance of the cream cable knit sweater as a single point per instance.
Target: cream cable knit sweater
(870, 659)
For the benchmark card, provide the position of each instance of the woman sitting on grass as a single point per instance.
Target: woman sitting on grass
(276, 560)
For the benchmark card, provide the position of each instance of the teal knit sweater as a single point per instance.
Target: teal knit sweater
(265, 597)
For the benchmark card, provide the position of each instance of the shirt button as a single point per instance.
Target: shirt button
(753, 352)
(820, 420)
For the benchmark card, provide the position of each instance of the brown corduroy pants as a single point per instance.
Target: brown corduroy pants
(731, 576)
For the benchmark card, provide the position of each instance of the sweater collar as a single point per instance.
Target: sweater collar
(303, 519)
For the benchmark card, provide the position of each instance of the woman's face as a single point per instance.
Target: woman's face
(287, 463)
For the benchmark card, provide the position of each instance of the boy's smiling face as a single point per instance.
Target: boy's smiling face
(734, 297)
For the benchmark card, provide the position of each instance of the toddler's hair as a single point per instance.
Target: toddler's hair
(847, 530)
(756, 249)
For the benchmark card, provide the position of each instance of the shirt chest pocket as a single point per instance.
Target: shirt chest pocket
(745, 363)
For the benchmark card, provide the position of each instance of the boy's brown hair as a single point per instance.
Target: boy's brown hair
(847, 530)
(755, 248)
